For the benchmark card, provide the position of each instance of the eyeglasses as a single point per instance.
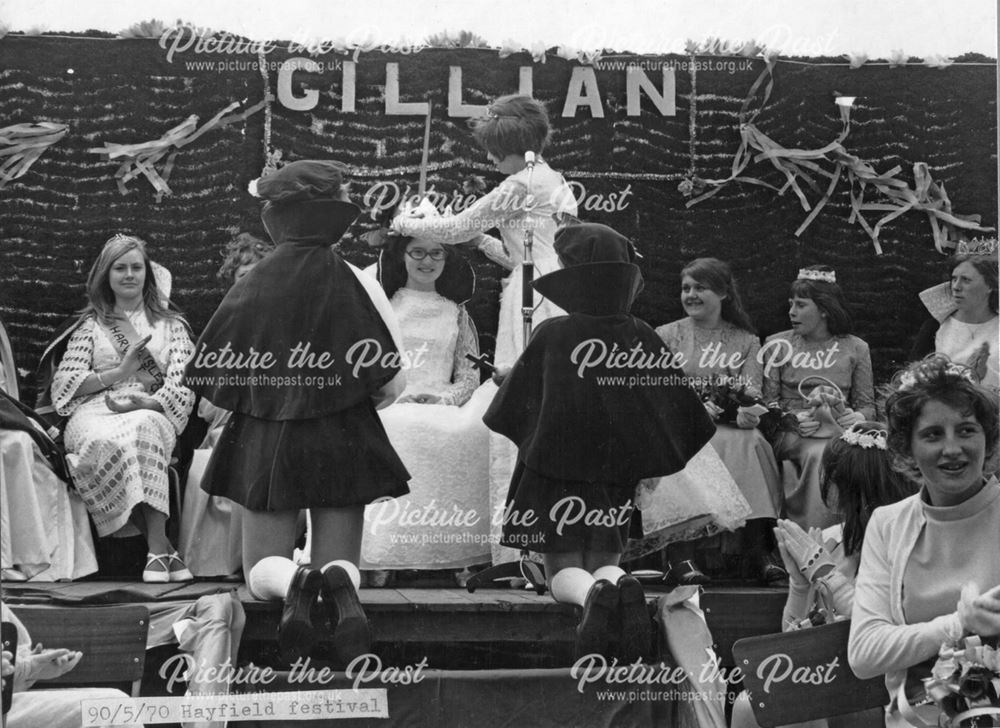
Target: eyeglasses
(420, 254)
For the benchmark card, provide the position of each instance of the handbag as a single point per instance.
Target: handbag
(825, 403)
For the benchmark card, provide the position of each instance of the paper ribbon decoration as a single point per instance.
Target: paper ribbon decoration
(142, 158)
(23, 144)
(803, 166)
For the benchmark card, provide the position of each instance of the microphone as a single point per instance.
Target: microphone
(529, 160)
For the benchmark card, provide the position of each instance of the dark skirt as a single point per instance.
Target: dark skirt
(549, 515)
(338, 461)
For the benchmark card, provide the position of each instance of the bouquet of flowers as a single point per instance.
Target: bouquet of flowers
(725, 400)
(965, 683)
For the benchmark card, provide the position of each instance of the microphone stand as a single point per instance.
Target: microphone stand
(530, 571)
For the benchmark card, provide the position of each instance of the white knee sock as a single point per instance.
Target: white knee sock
(270, 578)
(609, 573)
(571, 585)
(351, 569)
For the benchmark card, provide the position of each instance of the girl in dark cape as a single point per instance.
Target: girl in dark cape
(301, 350)
(594, 404)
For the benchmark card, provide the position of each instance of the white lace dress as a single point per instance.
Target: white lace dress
(444, 522)
(522, 200)
(120, 460)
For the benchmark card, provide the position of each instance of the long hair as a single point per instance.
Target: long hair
(828, 298)
(857, 480)
(936, 378)
(513, 125)
(457, 281)
(100, 297)
(717, 275)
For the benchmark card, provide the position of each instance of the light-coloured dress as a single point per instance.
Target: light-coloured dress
(444, 522)
(788, 359)
(962, 342)
(528, 198)
(211, 532)
(119, 460)
(731, 352)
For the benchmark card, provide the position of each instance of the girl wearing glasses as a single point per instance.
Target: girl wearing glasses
(436, 424)
(527, 197)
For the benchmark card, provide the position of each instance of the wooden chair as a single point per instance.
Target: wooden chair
(112, 640)
(802, 675)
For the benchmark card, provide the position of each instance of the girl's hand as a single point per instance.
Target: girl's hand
(850, 417)
(132, 401)
(131, 362)
(713, 410)
(807, 424)
(48, 664)
(424, 398)
(746, 420)
(975, 617)
(990, 600)
(796, 579)
(810, 555)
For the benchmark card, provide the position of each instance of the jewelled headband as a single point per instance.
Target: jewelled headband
(807, 274)
(977, 246)
(866, 439)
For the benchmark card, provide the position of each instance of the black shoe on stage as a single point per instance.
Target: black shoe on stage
(296, 636)
(598, 620)
(348, 623)
(685, 573)
(636, 627)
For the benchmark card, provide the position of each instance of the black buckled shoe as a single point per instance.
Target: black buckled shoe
(598, 619)
(636, 626)
(296, 635)
(685, 573)
(348, 623)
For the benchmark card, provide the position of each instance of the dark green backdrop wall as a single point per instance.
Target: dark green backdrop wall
(56, 218)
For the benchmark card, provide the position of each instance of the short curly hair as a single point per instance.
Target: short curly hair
(244, 249)
(938, 379)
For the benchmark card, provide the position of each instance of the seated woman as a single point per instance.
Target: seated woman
(59, 708)
(44, 527)
(120, 384)
(436, 424)
(857, 477)
(965, 326)
(937, 548)
(211, 533)
(719, 344)
(818, 350)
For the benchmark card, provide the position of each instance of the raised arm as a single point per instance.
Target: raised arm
(492, 210)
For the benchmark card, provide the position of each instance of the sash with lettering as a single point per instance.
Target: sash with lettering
(123, 335)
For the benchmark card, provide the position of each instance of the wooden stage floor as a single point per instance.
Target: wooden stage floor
(435, 616)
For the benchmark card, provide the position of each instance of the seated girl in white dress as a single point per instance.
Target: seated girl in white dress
(120, 384)
(436, 425)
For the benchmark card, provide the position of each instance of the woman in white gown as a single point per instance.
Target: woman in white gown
(531, 197)
(436, 425)
(120, 384)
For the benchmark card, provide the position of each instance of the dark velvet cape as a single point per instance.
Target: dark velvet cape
(302, 295)
(588, 428)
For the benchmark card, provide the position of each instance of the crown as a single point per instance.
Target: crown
(808, 274)
(909, 379)
(977, 246)
(866, 439)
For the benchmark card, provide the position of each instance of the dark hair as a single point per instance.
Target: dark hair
(936, 379)
(986, 266)
(829, 299)
(457, 281)
(244, 249)
(857, 480)
(100, 297)
(513, 125)
(717, 275)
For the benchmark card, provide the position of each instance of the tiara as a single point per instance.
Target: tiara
(809, 274)
(908, 380)
(866, 439)
(977, 246)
